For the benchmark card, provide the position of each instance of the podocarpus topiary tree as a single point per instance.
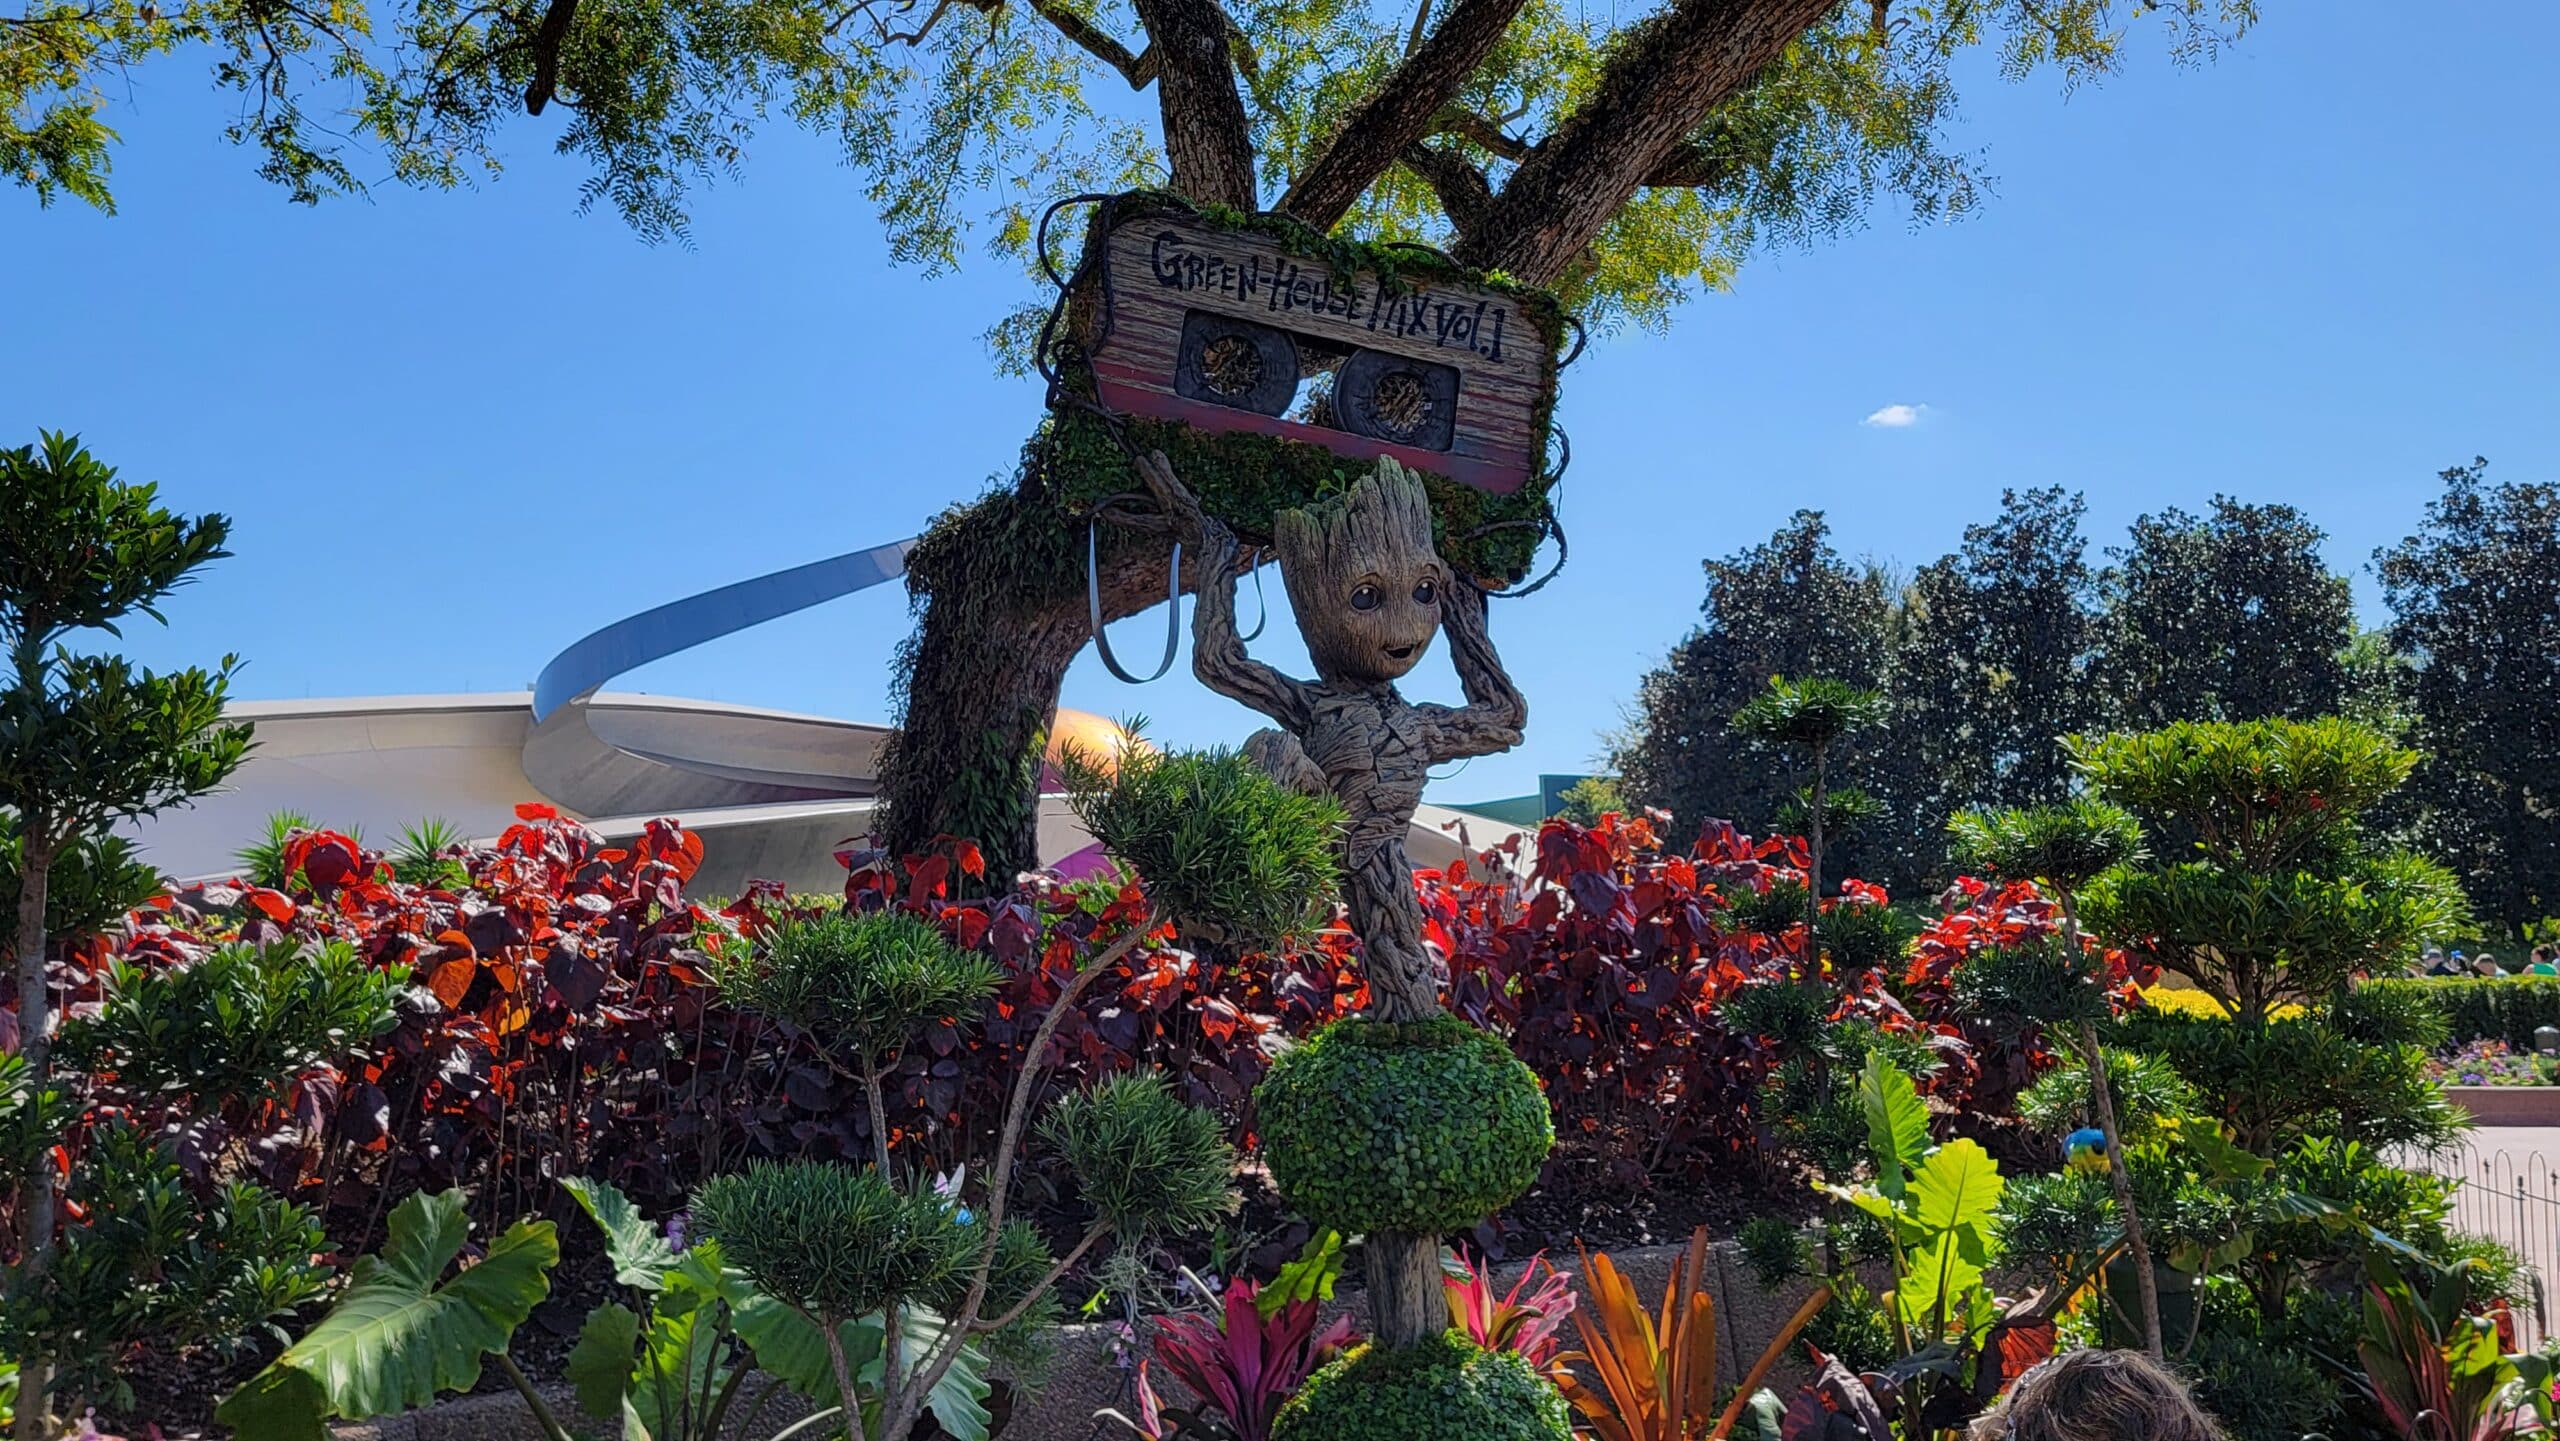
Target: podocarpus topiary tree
(1810, 718)
(2264, 892)
(1219, 848)
(87, 740)
(2066, 847)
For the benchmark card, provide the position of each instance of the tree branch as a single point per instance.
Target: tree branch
(1672, 72)
(1482, 130)
(546, 54)
(1206, 138)
(1462, 190)
(1396, 113)
(1138, 70)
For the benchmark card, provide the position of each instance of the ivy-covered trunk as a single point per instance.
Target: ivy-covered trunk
(1001, 613)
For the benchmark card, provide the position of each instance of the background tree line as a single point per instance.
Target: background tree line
(1988, 655)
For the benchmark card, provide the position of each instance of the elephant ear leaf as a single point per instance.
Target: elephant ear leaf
(1897, 1122)
(599, 1366)
(640, 1254)
(396, 1338)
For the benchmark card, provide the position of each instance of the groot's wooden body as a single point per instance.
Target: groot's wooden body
(1370, 592)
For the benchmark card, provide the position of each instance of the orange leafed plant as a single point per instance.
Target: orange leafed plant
(1653, 1377)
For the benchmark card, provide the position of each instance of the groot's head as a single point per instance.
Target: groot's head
(1363, 576)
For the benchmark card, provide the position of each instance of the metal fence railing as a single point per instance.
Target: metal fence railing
(2512, 1198)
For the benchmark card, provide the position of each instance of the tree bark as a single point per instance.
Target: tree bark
(1206, 138)
(1671, 72)
(2146, 1280)
(35, 1045)
(1406, 1302)
(982, 688)
(1398, 113)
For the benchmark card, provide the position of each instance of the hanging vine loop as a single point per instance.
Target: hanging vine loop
(1093, 604)
(1261, 602)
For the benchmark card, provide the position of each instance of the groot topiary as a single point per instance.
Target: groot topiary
(1419, 1129)
(1370, 591)
(1446, 1388)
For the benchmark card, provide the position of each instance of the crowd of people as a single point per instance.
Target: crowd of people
(2437, 961)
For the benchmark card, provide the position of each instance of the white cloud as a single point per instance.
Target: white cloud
(1896, 417)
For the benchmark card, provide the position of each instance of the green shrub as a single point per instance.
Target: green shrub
(1862, 935)
(2041, 980)
(867, 982)
(2391, 1016)
(1776, 1249)
(1222, 847)
(828, 1240)
(235, 1024)
(2481, 1008)
(1143, 1160)
(155, 1261)
(2261, 1392)
(1446, 1389)
(1417, 1129)
(1768, 912)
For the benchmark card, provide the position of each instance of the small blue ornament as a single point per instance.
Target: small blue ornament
(2086, 1150)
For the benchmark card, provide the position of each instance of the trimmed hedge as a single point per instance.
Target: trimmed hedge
(1417, 1129)
(1443, 1389)
(2483, 1008)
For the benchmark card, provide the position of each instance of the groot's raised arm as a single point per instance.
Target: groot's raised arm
(1217, 651)
(1495, 713)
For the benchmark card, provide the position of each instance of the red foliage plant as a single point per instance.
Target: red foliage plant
(1607, 968)
(1241, 1365)
(560, 1017)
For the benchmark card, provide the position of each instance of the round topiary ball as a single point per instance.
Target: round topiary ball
(1447, 1389)
(1413, 1129)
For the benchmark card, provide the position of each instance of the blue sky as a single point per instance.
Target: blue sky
(458, 431)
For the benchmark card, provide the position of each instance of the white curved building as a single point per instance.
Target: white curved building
(773, 793)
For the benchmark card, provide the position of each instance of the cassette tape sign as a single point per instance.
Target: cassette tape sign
(1218, 328)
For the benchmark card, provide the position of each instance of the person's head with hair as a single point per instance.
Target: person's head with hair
(2097, 1396)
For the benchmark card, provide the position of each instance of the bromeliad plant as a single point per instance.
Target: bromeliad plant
(1529, 1318)
(1241, 1365)
(1221, 849)
(2434, 1364)
(1636, 1379)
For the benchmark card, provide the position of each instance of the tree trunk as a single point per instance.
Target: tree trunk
(1813, 846)
(35, 1044)
(2102, 1096)
(1672, 70)
(982, 684)
(1207, 140)
(2146, 1279)
(1406, 1303)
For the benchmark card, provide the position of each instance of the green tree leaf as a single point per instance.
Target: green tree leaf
(397, 1338)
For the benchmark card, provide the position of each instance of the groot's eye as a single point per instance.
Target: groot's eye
(1427, 592)
(1365, 598)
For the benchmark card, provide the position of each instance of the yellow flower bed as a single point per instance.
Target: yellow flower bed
(2188, 1001)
